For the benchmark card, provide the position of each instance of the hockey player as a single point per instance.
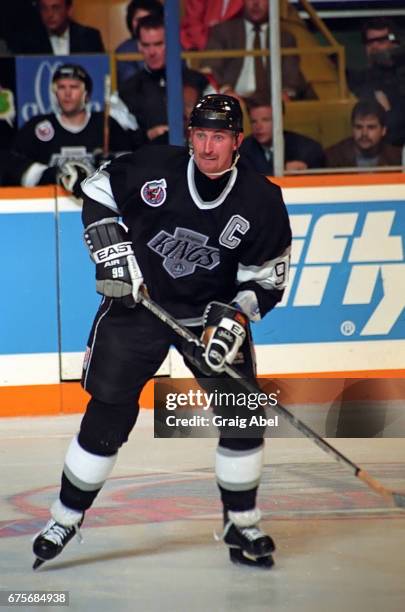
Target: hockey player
(212, 238)
(60, 147)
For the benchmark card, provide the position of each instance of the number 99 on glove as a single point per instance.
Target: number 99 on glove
(117, 272)
(224, 334)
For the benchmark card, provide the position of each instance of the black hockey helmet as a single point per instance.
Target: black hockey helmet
(217, 111)
(74, 71)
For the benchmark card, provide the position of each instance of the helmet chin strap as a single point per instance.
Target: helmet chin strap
(235, 161)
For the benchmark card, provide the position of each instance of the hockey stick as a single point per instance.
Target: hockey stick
(395, 497)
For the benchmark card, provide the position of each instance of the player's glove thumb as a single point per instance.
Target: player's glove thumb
(224, 333)
(71, 174)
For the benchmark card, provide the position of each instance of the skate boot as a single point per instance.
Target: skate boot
(248, 544)
(59, 530)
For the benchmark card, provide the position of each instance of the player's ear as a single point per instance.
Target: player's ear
(238, 140)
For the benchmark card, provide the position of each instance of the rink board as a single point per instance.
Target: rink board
(343, 312)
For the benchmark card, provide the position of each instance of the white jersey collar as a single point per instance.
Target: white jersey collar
(193, 189)
(74, 129)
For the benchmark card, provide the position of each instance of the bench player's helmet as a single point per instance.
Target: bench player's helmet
(73, 71)
(217, 111)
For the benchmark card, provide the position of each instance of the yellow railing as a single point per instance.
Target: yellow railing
(332, 49)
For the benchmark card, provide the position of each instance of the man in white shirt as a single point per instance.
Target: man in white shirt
(60, 35)
(240, 75)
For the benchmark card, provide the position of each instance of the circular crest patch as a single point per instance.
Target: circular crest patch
(154, 193)
(44, 131)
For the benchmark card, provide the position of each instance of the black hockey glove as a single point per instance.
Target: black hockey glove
(224, 333)
(49, 176)
(71, 174)
(117, 272)
(196, 355)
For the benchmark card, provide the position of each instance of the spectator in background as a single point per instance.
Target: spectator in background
(251, 76)
(62, 147)
(193, 90)
(200, 16)
(367, 146)
(59, 34)
(136, 9)
(145, 93)
(300, 152)
(384, 77)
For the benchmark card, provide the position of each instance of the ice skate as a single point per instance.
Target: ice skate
(248, 544)
(56, 534)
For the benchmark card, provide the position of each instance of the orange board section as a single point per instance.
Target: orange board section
(27, 193)
(70, 398)
(339, 180)
(43, 400)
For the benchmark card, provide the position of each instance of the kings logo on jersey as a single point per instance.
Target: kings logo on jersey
(154, 193)
(184, 251)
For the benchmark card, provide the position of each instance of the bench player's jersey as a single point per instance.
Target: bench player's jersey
(234, 248)
(44, 139)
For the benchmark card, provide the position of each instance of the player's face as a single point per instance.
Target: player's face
(261, 121)
(152, 46)
(367, 133)
(70, 94)
(54, 15)
(378, 41)
(257, 11)
(214, 149)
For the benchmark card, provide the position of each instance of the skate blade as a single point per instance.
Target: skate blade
(37, 563)
(241, 557)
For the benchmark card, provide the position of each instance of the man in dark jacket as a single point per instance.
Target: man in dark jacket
(384, 78)
(367, 146)
(145, 93)
(59, 34)
(300, 152)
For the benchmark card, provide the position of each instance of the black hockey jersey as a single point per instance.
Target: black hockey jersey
(45, 140)
(235, 248)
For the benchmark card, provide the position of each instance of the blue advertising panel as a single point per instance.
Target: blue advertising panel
(29, 311)
(345, 299)
(34, 79)
(78, 299)
(347, 280)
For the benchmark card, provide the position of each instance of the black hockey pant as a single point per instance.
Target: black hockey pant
(126, 347)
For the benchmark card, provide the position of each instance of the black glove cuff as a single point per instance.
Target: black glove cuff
(49, 176)
(216, 311)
